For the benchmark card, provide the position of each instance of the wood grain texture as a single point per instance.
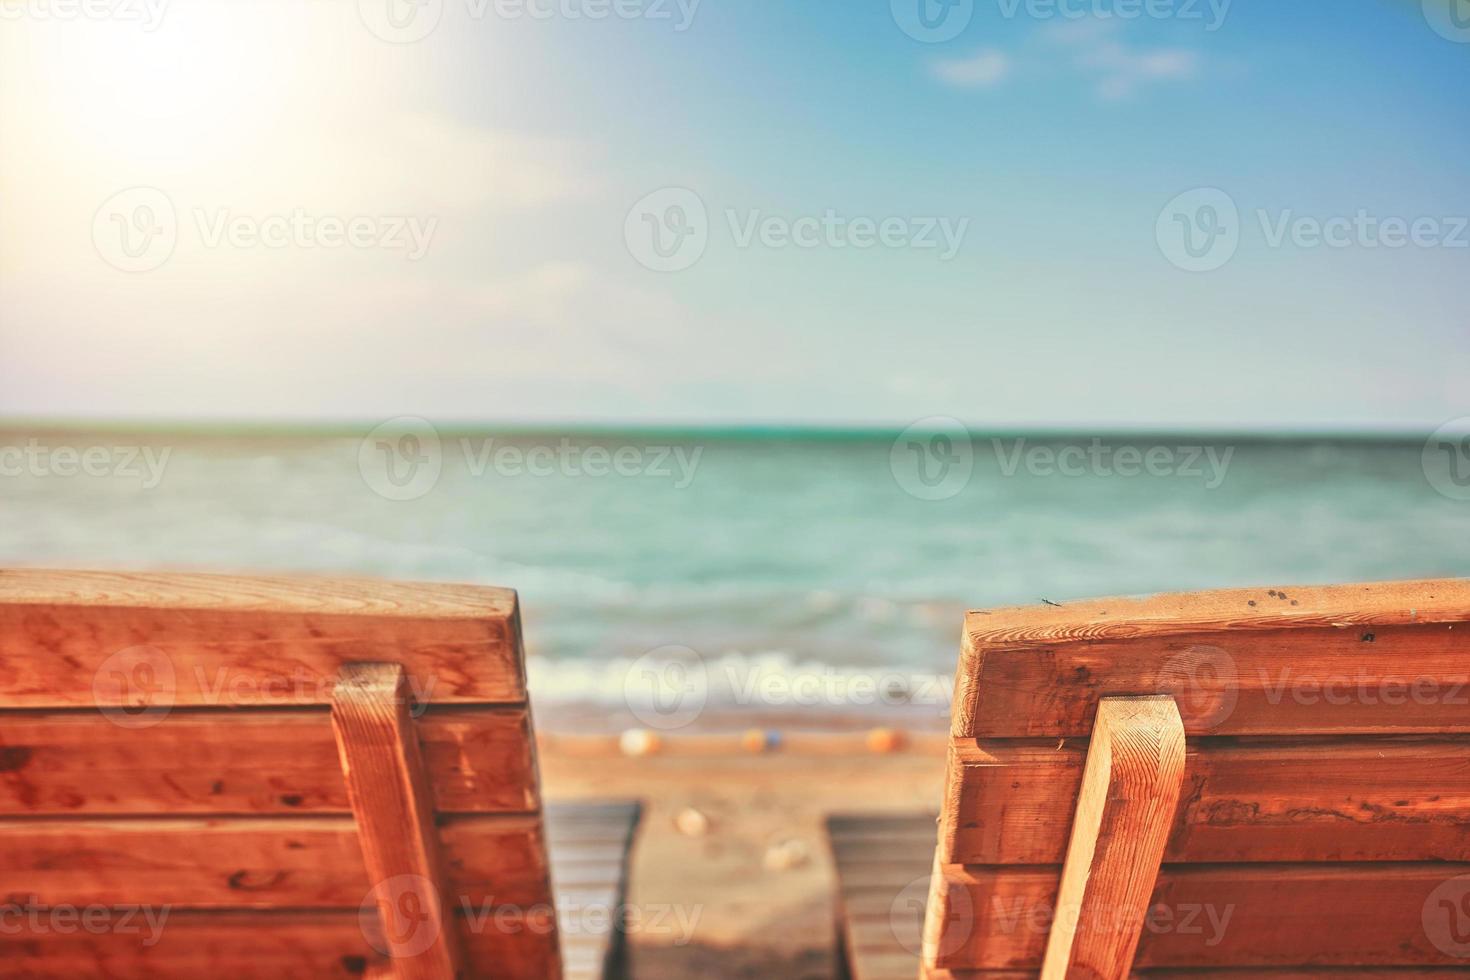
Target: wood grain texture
(84, 639)
(872, 876)
(282, 945)
(224, 803)
(1365, 798)
(293, 862)
(207, 762)
(1208, 915)
(1378, 680)
(1386, 658)
(1406, 603)
(1125, 809)
(1251, 973)
(394, 811)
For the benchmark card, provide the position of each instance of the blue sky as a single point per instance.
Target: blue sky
(1054, 149)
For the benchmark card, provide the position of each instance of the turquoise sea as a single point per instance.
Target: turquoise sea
(765, 555)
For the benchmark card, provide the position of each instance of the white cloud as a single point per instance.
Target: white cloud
(1119, 71)
(1091, 48)
(984, 69)
(1122, 70)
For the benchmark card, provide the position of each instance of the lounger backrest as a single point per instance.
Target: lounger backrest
(209, 777)
(1297, 760)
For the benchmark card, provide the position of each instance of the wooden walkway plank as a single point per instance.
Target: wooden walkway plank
(589, 846)
(881, 891)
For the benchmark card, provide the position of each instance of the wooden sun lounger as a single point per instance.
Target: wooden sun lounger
(1264, 783)
(212, 777)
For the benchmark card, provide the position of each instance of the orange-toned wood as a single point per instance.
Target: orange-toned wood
(253, 862)
(1360, 798)
(281, 945)
(89, 639)
(209, 762)
(1382, 658)
(1130, 786)
(394, 811)
(1223, 915)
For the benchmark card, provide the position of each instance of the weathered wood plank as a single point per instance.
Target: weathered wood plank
(588, 847)
(1404, 603)
(1404, 680)
(1130, 786)
(393, 807)
(1369, 798)
(1384, 658)
(1246, 916)
(151, 642)
(248, 862)
(205, 761)
(284, 945)
(881, 891)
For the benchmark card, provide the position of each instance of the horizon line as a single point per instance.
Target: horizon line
(769, 430)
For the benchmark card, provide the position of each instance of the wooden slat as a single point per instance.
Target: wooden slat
(880, 891)
(588, 845)
(1250, 973)
(204, 761)
(1385, 658)
(1343, 972)
(296, 862)
(393, 808)
(1130, 786)
(286, 945)
(190, 946)
(1279, 916)
(1309, 799)
(156, 641)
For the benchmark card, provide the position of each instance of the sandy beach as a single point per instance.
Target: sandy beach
(752, 895)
